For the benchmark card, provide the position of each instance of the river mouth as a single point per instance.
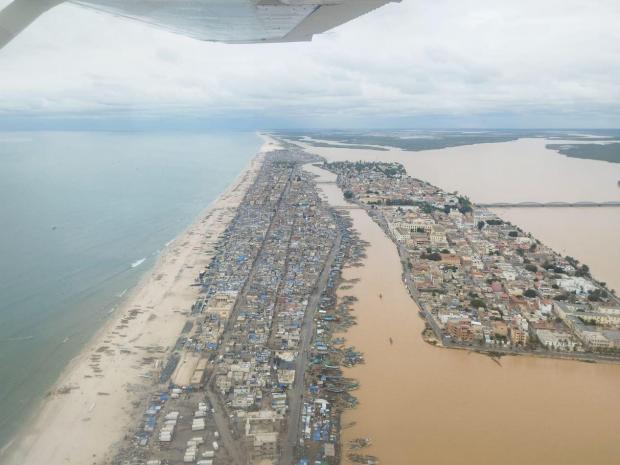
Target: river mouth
(423, 404)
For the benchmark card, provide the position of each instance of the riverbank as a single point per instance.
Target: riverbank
(422, 404)
(94, 401)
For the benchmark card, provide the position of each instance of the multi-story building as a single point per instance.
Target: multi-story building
(460, 329)
(261, 435)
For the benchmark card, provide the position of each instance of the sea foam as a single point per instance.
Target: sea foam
(137, 263)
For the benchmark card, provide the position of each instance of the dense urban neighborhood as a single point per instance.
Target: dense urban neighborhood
(478, 280)
(256, 376)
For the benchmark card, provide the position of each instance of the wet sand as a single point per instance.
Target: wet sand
(425, 405)
(84, 424)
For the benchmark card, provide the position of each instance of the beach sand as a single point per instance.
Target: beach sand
(97, 397)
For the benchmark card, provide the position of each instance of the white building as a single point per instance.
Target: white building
(556, 340)
(576, 284)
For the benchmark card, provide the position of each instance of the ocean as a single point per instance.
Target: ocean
(83, 216)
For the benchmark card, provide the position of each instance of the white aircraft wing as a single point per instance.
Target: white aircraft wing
(231, 21)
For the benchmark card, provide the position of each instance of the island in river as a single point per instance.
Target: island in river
(481, 282)
(605, 152)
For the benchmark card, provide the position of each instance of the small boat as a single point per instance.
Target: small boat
(359, 443)
(334, 389)
(363, 459)
(391, 341)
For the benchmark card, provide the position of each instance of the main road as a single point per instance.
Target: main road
(232, 445)
(295, 394)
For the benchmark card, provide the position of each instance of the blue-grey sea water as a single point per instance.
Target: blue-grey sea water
(82, 217)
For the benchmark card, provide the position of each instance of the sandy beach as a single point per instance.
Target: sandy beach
(96, 398)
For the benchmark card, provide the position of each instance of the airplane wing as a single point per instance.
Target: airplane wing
(18, 15)
(231, 21)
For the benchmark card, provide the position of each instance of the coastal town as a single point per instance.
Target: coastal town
(481, 282)
(309, 232)
(259, 373)
(256, 376)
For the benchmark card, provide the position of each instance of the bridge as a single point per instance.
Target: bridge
(580, 204)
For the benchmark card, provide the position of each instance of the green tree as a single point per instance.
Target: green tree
(465, 205)
(583, 270)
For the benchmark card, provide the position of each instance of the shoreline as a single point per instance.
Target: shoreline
(101, 386)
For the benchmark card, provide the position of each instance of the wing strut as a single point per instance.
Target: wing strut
(18, 15)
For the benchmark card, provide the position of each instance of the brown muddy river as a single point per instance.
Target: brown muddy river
(425, 405)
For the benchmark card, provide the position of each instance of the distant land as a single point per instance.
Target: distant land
(588, 146)
(335, 145)
(602, 152)
(406, 140)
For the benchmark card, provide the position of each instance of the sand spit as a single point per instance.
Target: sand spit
(96, 398)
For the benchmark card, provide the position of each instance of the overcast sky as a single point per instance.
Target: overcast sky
(420, 63)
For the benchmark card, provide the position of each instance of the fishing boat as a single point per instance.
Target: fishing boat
(359, 443)
(363, 459)
(334, 389)
(331, 367)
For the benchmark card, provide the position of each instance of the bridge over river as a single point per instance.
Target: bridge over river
(580, 204)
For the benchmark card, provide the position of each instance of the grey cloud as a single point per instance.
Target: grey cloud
(408, 60)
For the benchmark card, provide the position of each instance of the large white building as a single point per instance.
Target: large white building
(576, 284)
(556, 340)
